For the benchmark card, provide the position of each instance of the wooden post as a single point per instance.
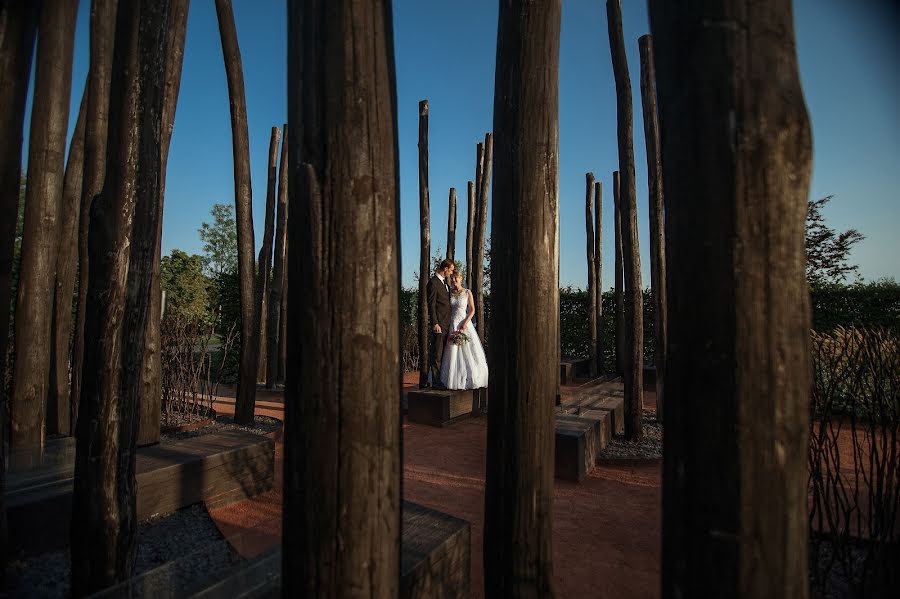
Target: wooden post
(479, 171)
(736, 158)
(598, 269)
(151, 398)
(282, 326)
(634, 291)
(245, 400)
(592, 273)
(273, 322)
(657, 235)
(425, 244)
(481, 208)
(342, 447)
(524, 348)
(102, 34)
(470, 231)
(18, 21)
(122, 241)
(451, 226)
(617, 287)
(58, 399)
(265, 253)
(34, 298)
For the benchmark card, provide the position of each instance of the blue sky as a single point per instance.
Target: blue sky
(445, 52)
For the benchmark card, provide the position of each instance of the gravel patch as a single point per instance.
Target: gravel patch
(174, 554)
(649, 447)
(264, 426)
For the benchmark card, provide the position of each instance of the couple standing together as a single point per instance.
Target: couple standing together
(456, 356)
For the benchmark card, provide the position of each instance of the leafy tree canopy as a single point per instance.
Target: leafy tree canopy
(827, 251)
(186, 287)
(220, 241)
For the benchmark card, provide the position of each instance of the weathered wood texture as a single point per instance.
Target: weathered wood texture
(440, 407)
(657, 214)
(470, 230)
(424, 245)
(618, 291)
(282, 324)
(435, 560)
(273, 322)
(245, 404)
(736, 157)
(217, 469)
(34, 296)
(451, 225)
(18, 27)
(122, 237)
(524, 348)
(57, 420)
(634, 290)
(151, 395)
(102, 34)
(481, 209)
(342, 428)
(264, 261)
(591, 271)
(598, 271)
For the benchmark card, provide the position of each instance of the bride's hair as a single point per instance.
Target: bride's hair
(457, 277)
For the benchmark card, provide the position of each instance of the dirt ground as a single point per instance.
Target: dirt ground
(606, 528)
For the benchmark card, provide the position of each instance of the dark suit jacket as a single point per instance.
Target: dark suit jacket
(438, 304)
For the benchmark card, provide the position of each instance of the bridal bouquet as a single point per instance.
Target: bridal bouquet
(459, 338)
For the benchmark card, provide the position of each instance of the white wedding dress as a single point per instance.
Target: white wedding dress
(463, 366)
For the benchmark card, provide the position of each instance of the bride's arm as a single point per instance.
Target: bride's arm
(469, 313)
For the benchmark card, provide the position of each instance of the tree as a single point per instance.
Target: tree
(736, 159)
(220, 244)
(827, 251)
(122, 240)
(524, 347)
(264, 262)
(34, 295)
(186, 287)
(342, 492)
(273, 322)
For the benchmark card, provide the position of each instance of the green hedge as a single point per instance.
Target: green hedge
(861, 304)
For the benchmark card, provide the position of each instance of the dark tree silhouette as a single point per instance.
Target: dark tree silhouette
(524, 347)
(618, 292)
(43, 193)
(342, 429)
(591, 271)
(273, 322)
(103, 22)
(122, 238)
(736, 157)
(264, 261)
(451, 225)
(480, 231)
(151, 399)
(424, 247)
(18, 25)
(245, 401)
(827, 251)
(598, 270)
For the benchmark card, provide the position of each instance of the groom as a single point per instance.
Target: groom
(438, 294)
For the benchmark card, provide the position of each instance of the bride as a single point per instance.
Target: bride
(464, 365)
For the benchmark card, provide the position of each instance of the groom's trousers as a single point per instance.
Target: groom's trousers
(436, 351)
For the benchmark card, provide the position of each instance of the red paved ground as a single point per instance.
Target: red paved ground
(606, 528)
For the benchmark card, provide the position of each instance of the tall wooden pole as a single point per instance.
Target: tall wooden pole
(524, 344)
(122, 241)
(18, 22)
(657, 233)
(598, 269)
(591, 271)
(424, 244)
(265, 253)
(481, 208)
(103, 23)
(151, 399)
(34, 297)
(617, 286)
(342, 492)
(58, 398)
(736, 158)
(470, 230)
(451, 226)
(634, 291)
(273, 322)
(245, 400)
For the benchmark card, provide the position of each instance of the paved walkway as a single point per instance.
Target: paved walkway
(606, 528)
